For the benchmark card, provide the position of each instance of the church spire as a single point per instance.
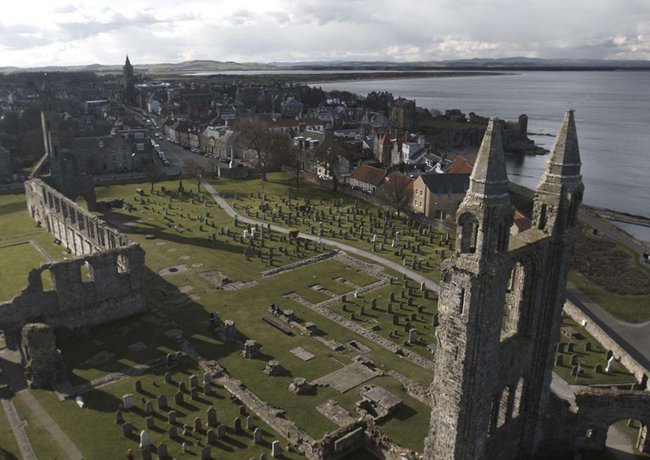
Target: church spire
(565, 154)
(489, 178)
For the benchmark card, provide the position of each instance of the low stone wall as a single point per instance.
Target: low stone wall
(608, 342)
(115, 290)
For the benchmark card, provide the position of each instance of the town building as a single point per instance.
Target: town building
(439, 195)
(367, 178)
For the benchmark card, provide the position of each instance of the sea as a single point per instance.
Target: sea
(612, 111)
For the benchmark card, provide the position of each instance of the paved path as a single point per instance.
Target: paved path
(347, 248)
(50, 425)
(18, 428)
(610, 230)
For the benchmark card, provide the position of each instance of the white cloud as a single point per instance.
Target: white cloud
(36, 32)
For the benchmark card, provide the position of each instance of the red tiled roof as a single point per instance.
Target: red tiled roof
(369, 175)
(460, 166)
(522, 222)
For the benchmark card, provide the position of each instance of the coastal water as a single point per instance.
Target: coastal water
(612, 118)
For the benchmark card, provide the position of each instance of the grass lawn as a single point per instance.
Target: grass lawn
(341, 216)
(588, 359)
(95, 433)
(611, 275)
(192, 235)
(633, 309)
(15, 263)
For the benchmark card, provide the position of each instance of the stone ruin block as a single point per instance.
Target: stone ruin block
(44, 366)
(273, 368)
(311, 328)
(251, 349)
(300, 386)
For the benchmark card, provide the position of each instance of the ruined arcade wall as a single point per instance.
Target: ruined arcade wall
(79, 230)
(115, 290)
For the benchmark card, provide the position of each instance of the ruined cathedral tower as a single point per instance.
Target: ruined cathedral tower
(500, 308)
(129, 83)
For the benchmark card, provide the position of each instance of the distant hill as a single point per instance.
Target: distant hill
(510, 63)
(165, 68)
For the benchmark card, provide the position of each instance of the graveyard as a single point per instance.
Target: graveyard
(294, 330)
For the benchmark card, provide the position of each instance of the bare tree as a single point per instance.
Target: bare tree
(396, 192)
(152, 172)
(194, 169)
(329, 152)
(269, 147)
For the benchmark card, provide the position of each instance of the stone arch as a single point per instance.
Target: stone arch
(574, 204)
(468, 229)
(122, 263)
(502, 414)
(517, 406)
(47, 279)
(519, 294)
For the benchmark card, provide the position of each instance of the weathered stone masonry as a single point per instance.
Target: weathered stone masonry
(500, 309)
(115, 290)
(79, 230)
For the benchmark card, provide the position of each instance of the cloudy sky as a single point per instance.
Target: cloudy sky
(61, 32)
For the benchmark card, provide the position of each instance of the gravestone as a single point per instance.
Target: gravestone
(211, 436)
(127, 401)
(571, 347)
(207, 378)
(559, 361)
(178, 398)
(145, 441)
(171, 416)
(182, 387)
(221, 431)
(242, 409)
(587, 346)
(389, 308)
(207, 388)
(149, 422)
(194, 381)
(250, 423)
(172, 432)
(138, 386)
(599, 368)
(119, 418)
(257, 436)
(127, 429)
(148, 407)
(194, 394)
(574, 359)
(395, 319)
(168, 376)
(162, 450)
(237, 424)
(211, 415)
(146, 453)
(413, 336)
(206, 453)
(276, 450)
(162, 402)
(560, 347)
(197, 424)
